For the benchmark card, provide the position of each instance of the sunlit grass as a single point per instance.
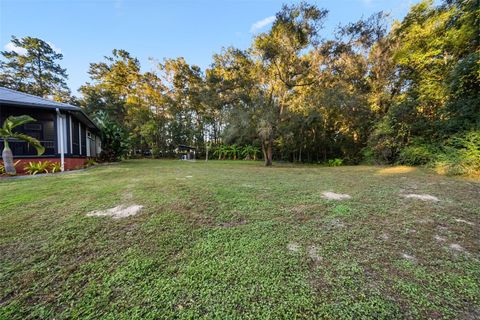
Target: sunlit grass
(213, 239)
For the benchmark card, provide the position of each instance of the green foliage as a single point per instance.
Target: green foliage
(2, 166)
(457, 155)
(36, 71)
(250, 152)
(233, 152)
(115, 139)
(335, 162)
(90, 162)
(55, 167)
(34, 168)
(341, 210)
(460, 155)
(7, 132)
(368, 155)
(38, 167)
(387, 93)
(418, 153)
(221, 151)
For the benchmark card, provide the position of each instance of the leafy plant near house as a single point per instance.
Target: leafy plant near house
(55, 167)
(90, 162)
(7, 132)
(37, 167)
(2, 166)
(115, 139)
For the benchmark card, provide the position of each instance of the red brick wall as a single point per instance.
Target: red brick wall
(70, 163)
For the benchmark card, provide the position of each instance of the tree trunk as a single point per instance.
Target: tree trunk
(7, 157)
(264, 151)
(269, 153)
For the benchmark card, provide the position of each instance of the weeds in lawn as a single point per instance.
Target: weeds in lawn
(238, 241)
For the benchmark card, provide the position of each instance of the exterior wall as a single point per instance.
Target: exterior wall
(70, 163)
(44, 130)
(48, 129)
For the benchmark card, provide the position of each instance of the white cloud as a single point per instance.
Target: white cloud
(57, 50)
(12, 47)
(21, 51)
(262, 23)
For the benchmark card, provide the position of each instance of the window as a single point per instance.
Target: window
(33, 126)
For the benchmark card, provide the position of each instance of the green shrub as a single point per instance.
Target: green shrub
(37, 167)
(115, 138)
(90, 162)
(460, 155)
(368, 155)
(334, 162)
(55, 167)
(156, 152)
(418, 153)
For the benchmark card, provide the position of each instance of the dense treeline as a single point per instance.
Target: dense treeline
(373, 92)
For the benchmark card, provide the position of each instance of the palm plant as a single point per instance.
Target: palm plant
(6, 133)
(221, 151)
(37, 167)
(233, 151)
(250, 152)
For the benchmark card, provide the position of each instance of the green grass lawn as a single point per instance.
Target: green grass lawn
(233, 240)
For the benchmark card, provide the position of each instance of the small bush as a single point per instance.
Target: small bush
(55, 167)
(37, 167)
(90, 162)
(418, 153)
(460, 155)
(156, 152)
(368, 155)
(335, 162)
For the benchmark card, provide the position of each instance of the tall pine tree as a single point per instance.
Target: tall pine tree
(33, 68)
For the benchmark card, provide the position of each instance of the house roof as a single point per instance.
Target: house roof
(185, 147)
(13, 97)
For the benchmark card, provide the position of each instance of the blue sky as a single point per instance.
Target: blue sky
(86, 30)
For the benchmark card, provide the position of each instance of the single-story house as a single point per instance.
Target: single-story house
(67, 133)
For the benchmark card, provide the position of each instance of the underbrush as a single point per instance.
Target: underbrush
(457, 155)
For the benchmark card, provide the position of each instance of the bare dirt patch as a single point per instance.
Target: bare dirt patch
(456, 247)
(312, 253)
(335, 196)
(293, 247)
(408, 257)
(118, 212)
(465, 221)
(423, 197)
(232, 224)
(425, 221)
